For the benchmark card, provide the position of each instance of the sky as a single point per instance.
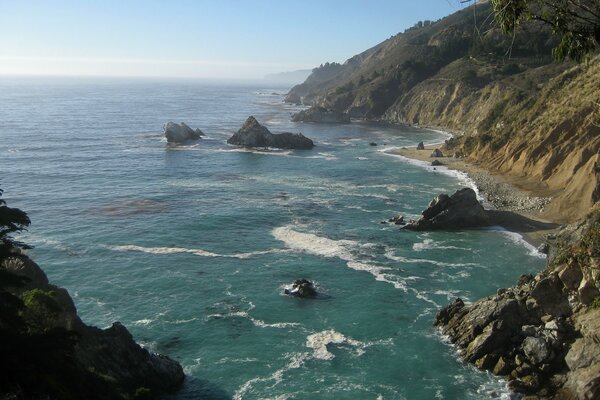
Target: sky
(216, 39)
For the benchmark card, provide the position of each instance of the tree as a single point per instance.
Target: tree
(576, 23)
(12, 220)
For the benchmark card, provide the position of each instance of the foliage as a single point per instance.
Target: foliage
(576, 23)
(12, 220)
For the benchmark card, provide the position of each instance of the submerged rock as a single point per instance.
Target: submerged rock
(301, 288)
(253, 134)
(461, 210)
(180, 133)
(322, 115)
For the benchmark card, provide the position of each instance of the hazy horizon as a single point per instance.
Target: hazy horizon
(197, 40)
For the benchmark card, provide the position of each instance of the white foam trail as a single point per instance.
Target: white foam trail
(165, 250)
(390, 255)
(296, 361)
(143, 322)
(197, 252)
(267, 152)
(429, 244)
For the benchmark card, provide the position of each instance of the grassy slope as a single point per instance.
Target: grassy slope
(524, 116)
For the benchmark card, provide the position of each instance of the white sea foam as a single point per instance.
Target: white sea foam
(462, 177)
(319, 342)
(143, 322)
(346, 250)
(518, 239)
(389, 254)
(197, 252)
(296, 360)
(429, 244)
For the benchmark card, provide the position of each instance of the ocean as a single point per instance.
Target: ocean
(190, 247)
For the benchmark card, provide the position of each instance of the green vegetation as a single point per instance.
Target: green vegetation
(581, 253)
(576, 23)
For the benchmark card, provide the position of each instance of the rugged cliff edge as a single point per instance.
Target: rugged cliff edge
(522, 116)
(88, 363)
(542, 335)
(47, 352)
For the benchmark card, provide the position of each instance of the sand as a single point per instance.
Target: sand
(515, 204)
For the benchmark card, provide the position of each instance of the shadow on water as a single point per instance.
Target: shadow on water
(194, 388)
(519, 223)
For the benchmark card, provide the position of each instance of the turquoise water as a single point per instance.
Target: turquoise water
(190, 247)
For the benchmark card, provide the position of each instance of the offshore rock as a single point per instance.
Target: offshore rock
(420, 146)
(180, 133)
(321, 115)
(461, 210)
(302, 288)
(253, 134)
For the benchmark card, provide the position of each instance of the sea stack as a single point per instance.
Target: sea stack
(180, 133)
(253, 134)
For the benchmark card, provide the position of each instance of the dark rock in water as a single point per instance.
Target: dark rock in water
(322, 115)
(253, 134)
(372, 144)
(437, 153)
(180, 133)
(461, 210)
(302, 288)
(398, 220)
(420, 146)
(436, 163)
(102, 364)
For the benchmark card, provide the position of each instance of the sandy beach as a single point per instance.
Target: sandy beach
(514, 208)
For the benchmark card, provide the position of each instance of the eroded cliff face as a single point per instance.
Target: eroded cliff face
(523, 116)
(81, 361)
(546, 134)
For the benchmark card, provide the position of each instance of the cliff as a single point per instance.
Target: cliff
(57, 356)
(47, 352)
(523, 116)
(541, 335)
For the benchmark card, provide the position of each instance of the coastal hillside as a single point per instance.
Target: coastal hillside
(513, 109)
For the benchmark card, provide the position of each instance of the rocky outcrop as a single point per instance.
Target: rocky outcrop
(542, 334)
(180, 133)
(301, 288)
(461, 210)
(253, 134)
(104, 363)
(437, 153)
(321, 115)
(420, 146)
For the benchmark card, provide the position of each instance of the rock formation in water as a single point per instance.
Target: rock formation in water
(321, 115)
(181, 133)
(302, 288)
(543, 335)
(253, 134)
(461, 210)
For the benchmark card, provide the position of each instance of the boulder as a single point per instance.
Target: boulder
(253, 134)
(372, 144)
(436, 163)
(321, 115)
(461, 210)
(536, 349)
(437, 153)
(420, 146)
(301, 288)
(180, 133)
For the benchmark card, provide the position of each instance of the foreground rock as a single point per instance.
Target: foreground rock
(253, 134)
(461, 210)
(180, 133)
(322, 115)
(302, 288)
(543, 334)
(84, 361)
